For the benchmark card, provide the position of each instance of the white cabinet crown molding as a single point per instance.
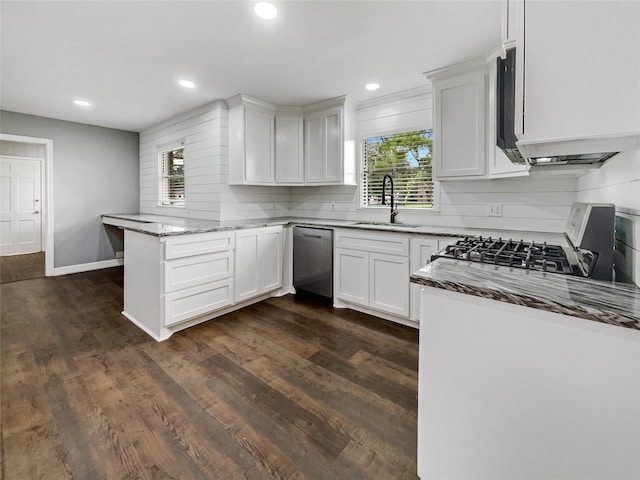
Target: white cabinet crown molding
(457, 69)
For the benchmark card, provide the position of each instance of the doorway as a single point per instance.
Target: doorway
(26, 227)
(20, 194)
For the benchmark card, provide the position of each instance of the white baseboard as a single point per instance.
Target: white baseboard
(87, 267)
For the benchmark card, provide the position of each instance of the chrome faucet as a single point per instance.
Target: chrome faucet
(394, 212)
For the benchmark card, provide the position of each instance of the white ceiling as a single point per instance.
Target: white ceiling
(127, 57)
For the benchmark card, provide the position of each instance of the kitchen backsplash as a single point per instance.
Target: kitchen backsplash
(618, 182)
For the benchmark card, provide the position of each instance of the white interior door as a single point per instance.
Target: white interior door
(20, 206)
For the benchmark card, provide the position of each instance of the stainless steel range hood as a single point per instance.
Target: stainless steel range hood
(576, 151)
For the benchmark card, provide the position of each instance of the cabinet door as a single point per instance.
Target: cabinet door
(421, 251)
(332, 168)
(270, 258)
(258, 261)
(247, 254)
(259, 146)
(352, 276)
(314, 149)
(459, 136)
(389, 283)
(289, 150)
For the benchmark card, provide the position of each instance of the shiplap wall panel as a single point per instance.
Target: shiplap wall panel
(203, 132)
(205, 135)
(618, 182)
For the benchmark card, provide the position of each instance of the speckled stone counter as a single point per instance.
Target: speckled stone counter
(606, 302)
(162, 226)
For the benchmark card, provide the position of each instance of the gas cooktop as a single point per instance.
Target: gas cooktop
(510, 253)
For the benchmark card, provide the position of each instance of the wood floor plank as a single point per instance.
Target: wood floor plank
(327, 326)
(261, 450)
(284, 389)
(35, 453)
(380, 366)
(15, 268)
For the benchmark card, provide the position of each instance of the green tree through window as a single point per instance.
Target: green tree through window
(407, 158)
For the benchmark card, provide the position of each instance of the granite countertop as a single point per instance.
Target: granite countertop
(606, 302)
(162, 226)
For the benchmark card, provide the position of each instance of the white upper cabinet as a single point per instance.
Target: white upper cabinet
(464, 134)
(251, 141)
(579, 70)
(330, 143)
(270, 145)
(459, 136)
(289, 158)
(324, 147)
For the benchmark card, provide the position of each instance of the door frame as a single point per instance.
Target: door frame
(46, 206)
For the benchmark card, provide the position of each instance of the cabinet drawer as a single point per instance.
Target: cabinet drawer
(195, 301)
(389, 243)
(198, 244)
(198, 270)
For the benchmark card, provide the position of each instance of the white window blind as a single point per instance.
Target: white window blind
(407, 158)
(171, 188)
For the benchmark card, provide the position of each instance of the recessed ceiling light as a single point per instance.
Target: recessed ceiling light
(186, 84)
(372, 86)
(82, 103)
(266, 10)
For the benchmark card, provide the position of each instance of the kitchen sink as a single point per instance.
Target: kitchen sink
(386, 225)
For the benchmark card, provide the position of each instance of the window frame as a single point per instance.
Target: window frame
(161, 202)
(361, 151)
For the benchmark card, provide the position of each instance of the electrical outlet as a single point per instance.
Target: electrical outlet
(333, 206)
(495, 209)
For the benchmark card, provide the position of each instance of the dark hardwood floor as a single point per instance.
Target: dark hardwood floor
(14, 268)
(281, 389)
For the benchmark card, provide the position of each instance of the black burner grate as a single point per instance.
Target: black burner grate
(511, 253)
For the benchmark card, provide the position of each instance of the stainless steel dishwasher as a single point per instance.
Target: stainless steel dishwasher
(313, 260)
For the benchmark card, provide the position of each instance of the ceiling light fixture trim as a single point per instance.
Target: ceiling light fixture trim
(82, 103)
(186, 84)
(372, 86)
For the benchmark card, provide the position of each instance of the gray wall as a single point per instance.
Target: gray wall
(95, 171)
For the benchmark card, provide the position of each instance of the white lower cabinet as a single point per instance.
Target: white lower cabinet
(174, 282)
(191, 271)
(372, 270)
(258, 268)
(389, 283)
(352, 276)
(195, 301)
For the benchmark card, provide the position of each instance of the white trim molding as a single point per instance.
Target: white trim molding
(87, 267)
(47, 199)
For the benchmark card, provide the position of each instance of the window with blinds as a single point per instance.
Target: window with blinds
(407, 158)
(171, 178)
